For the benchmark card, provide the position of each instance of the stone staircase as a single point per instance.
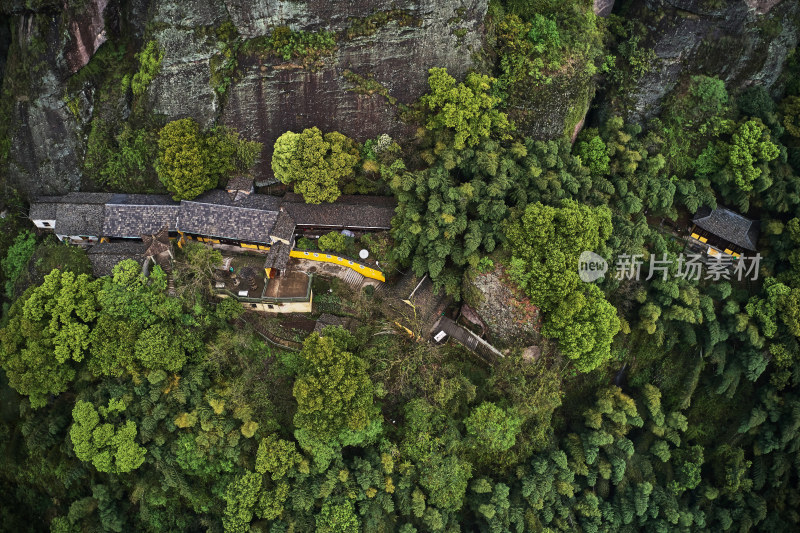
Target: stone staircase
(353, 279)
(166, 266)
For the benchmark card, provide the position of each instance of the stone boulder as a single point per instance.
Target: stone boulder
(509, 314)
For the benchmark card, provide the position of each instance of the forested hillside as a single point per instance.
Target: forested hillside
(514, 135)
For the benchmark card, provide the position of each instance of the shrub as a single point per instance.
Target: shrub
(332, 242)
(17, 257)
(191, 162)
(149, 64)
(314, 163)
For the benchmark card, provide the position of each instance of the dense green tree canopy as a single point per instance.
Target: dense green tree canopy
(125, 406)
(316, 164)
(546, 243)
(466, 109)
(191, 162)
(48, 333)
(332, 389)
(108, 449)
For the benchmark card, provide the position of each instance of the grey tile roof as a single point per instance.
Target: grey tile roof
(156, 243)
(105, 255)
(142, 199)
(135, 220)
(44, 208)
(284, 227)
(226, 221)
(216, 213)
(278, 256)
(728, 225)
(240, 183)
(79, 219)
(366, 212)
(250, 201)
(96, 198)
(81, 213)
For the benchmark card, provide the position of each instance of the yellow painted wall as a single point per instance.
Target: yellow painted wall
(328, 258)
(366, 271)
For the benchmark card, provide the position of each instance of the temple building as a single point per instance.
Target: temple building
(143, 226)
(722, 231)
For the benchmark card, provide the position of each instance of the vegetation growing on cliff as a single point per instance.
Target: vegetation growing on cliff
(191, 162)
(314, 163)
(287, 44)
(660, 404)
(149, 64)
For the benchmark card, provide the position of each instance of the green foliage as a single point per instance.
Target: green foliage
(594, 155)
(277, 457)
(314, 163)
(528, 50)
(332, 389)
(149, 65)
(545, 243)
(109, 449)
(467, 109)
(47, 333)
(741, 161)
(283, 42)
(445, 479)
(485, 264)
(338, 518)
(135, 153)
(450, 215)
(223, 64)
(369, 25)
(703, 438)
(493, 428)
(16, 259)
(304, 243)
(631, 60)
(584, 324)
(181, 163)
(332, 242)
(158, 348)
(240, 496)
(790, 107)
(191, 162)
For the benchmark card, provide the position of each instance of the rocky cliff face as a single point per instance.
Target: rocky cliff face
(742, 41)
(267, 96)
(355, 89)
(510, 316)
(47, 46)
(274, 96)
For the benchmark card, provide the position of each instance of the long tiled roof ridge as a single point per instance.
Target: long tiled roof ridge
(228, 206)
(129, 215)
(135, 199)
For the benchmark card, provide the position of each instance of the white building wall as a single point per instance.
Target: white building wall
(45, 224)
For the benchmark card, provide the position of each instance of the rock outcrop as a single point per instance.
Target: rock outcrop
(510, 316)
(272, 96)
(742, 41)
(266, 96)
(46, 143)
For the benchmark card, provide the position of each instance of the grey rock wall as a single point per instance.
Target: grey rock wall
(267, 97)
(273, 96)
(729, 39)
(46, 144)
